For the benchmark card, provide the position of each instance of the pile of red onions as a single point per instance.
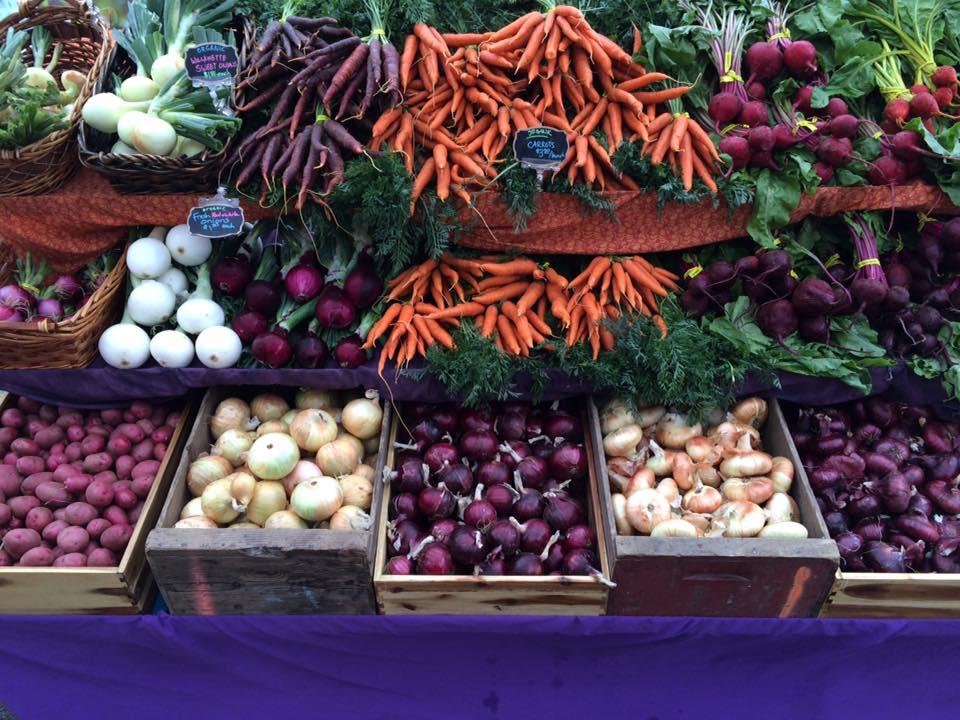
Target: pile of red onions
(73, 482)
(886, 479)
(490, 492)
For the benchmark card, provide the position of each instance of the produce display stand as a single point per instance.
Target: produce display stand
(263, 571)
(492, 595)
(727, 577)
(126, 589)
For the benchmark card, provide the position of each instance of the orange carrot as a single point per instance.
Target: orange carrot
(505, 292)
(407, 58)
(470, 309)
(678, 131)
(700, 135)
(489, 321)
(530, 297)
(420, 184)
(686, 162)
(661, 96)
(380, 327)
(661, 323)
(582, 147)
(607, 341)
(508, 334)
(660, 149)
(425, 36)
(518, 266)
(642, 81)
(439, 334)
(464, 39)
(594, 119)
(556, 278)
(702, 172)
(539, 324)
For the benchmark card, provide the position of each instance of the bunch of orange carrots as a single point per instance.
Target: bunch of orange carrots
(518, 303)
(465, 95)
(679, 139)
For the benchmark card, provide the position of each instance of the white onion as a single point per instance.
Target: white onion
(148, 258)
(138, 88)
(789, 530)
(125, 125)
(153, 136)
(175, 280)
(312, 429)
(165, 67)
(217, 502)
(151, 303)
(316, 499)
(124, 346)
(218, 347)
(272, 456)
(243, 525)
(268, 406)
(268, 498)
(363, 417)
(198, 314)
(172, 349)
(186, 248)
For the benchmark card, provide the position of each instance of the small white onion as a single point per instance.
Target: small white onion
(218, 347)
(124, 346)
(172, 349)
(148, 258)
(186, 248)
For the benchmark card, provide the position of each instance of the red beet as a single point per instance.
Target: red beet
(724, 108)
(800, 59)
(764, 60)
(738, 149)
(754, 113)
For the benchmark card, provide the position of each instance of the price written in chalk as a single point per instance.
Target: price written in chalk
(211, 62)
(215, 221)
(542, 148)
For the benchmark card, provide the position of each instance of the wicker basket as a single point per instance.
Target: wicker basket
(150, 174)
(48, 163)
(71, 343)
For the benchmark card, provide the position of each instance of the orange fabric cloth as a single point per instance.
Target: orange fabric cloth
(560, 225)
(86, 217)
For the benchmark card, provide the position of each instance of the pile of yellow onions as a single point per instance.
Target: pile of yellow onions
(671, 478)
(280, 467)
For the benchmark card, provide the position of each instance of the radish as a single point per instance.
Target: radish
(800, 58)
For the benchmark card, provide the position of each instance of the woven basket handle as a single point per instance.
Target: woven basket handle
(28, 6)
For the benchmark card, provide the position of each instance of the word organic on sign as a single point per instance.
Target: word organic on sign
(542, 148)
(211, 62)
(215, 221)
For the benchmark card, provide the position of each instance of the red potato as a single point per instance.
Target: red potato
(141, 485)
(147, 467)
(110, 417)
(73, 539)
(99, 493)
(58, 447)
(22, 505)
(51, 531)
(159, 451)
(14, 524)
(78, 484)
(36, 425)
(158, 417)
(124, 466)
(147, 425)
(37, 557)
(115, 515)
(17, 542)
(98, 462)
(162, 434)
(10, 480)
(24, 447)
(76, 433)
(30, 464)
(133, 433)
(73, 452)
(125, 498)
(5, 559)
(133, 514)
(80, 513)
(10, 458)
(67, 470)
(129, 417)
(32, 482)
(48, 412)
(38, 518)
(8, 435)
(116, 537)
(54, 494)
(141, 409)
(69, 418)
(60, 514)
(99, 431)
(6, 515)
(101, 557)
(49, 436)
(143, 451)
(173, 419)
(55, 460)
(27, 405)
(107, 476)
(12, 418)
(93, 444)
(96, 527)
(119, 444)
(71, 560)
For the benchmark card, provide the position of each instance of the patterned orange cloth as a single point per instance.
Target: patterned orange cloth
(86, 217)
(560, 225)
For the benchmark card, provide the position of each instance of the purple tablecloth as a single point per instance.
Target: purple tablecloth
(163, 667)
(103, 386)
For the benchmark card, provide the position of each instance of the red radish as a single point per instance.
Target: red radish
(944, 97)
(919, 89)
(800, 59)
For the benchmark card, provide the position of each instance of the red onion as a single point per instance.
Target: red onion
(479, 445)
(883, 557)
(945, 497)
(262, 297)
(568, 462)
(578, 536)
(492, 566)
(435, 559)
(560, 424)
(474, 420)
(849, 543)
(946, 556)
(458, 478)
(410, 477)
(525, 564)
(870, 529)
(562, 511)
(442, 529)
(334, 309)
(400, 565)
(363, 286)
(917, 527)
(894, 490)
(439, 455)
(426, 432)
(533, 471)
(231, 275)
(404, 505)
(303, 283)
(580, 561)
(446, 419)
(512, 426)
(466, 545)
(349, 353)
(493, 473)
(529, 505)
(480, 514)
(501, 497)
(536, 535)
(401, 538)
(436, 502)
(272, 349)
(505, 535)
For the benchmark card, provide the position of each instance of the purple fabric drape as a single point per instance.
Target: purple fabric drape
(420, 668)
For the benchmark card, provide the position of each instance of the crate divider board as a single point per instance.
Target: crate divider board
(492, 595)
(716, 577)
(220, 571)
(126, 589)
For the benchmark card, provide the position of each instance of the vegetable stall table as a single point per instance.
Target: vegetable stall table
(470, 667)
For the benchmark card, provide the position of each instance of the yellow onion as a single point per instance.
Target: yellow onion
(192, 509)
(242, 485)
(683, 471)
(650, 416)
(197, 522)
(364, 470)
(703, 499)
(786, 530)
(233, 444)
(673, 432)
(243, 525)
(312, 429)
(267, 406)
(204, 470)
(646, 509)
(642, 479)
(316, 499)
(272, 426)
(752, 411)
(372, 446)
(661, 462)
(268, 497)
(623, 441)
(668, 488)
(755, 489)
(781, 508)
(615, 414)
(676, 527)
(303, 470)
(350, 517)
(357, 490)
(619, 502)
(740, 518)
(698, 520)
(316, 399)
(272, 456)
(363, 417)
(231, 413)
(284, 520)
(217, 502)
(341, 456)
(289, 416)
(781, 474)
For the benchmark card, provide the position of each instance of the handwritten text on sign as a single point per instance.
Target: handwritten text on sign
(216, 221)
(211, 61)
(541, 147)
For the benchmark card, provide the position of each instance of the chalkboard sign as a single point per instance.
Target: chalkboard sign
(215, 221)
(541, 147)
(212, 63)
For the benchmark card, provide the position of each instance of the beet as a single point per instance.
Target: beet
(756, 91)
(824, 171)
(784, 137)
(800, 59)
(924, 106)
(777, 319)
(835, 108)
(945, 76)
(802, 101)
(724, 108)
(815, 329)
(869, 292)
(887, 170)
(897, 111)
(764, 159)
(764, 60)
(812, 297)
(754, 113)
(737, 148)
(761, 139)
(844, 125)
(836, 152)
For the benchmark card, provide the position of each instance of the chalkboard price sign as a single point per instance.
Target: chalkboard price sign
(215, 221)
(542, 148)
(211, 63)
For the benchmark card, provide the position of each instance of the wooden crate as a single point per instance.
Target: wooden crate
(491, 595)
(888, 595)
(127, 589)
(264, 572)
(722, 577)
